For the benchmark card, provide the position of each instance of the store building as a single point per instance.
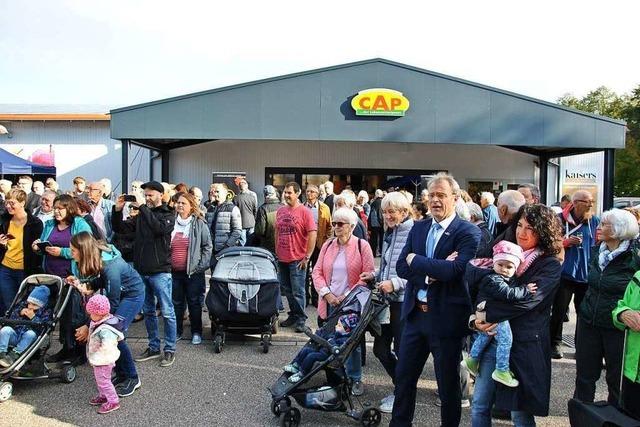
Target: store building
(365, 124)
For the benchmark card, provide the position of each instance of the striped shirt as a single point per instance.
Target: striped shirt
(179, 252)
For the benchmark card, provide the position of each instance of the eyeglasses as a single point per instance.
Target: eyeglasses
(338, 223)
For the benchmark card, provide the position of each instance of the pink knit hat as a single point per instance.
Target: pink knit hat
(98, 305)
(504, 250)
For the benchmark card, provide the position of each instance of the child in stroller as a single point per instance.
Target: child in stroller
(20, 337)
(312, 353)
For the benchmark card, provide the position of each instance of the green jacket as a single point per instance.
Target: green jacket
(630, 301)
(606, 287)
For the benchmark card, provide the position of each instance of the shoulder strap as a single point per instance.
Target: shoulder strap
(360, 245)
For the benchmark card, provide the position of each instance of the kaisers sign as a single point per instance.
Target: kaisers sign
(380, 102)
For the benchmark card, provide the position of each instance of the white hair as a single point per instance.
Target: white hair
(579, 194)
(489, 197)
(462, 210)
(475, 211)
(396, 200)
(379, 193)
(512, 199)
(328, 185)
(624, 224)
(345, 215)
(442, 176)
(346, 196)
(364, 195)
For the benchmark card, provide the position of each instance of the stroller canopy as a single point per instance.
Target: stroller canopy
(240, 265)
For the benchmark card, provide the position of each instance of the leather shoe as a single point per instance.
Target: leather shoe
(290, 321)
(556, 353)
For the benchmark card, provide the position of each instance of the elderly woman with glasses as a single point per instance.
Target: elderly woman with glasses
(396, 211)
(613, 263)
(341, 262)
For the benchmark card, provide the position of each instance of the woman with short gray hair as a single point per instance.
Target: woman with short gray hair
(613, 264)
(396, 211)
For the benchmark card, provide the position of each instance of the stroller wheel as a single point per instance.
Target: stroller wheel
(370, 417)
(217, 344)
(68, 374)
(277, 406)
(290, 418)
(266, 342)
(6, 390)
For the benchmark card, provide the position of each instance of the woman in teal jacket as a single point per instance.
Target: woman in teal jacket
(58, 231)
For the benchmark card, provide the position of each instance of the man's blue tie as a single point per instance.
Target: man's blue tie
(431, 247)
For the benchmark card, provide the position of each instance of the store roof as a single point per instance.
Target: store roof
(26, 112)
(316, 105)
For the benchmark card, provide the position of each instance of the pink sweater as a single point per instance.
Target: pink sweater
(358, 261)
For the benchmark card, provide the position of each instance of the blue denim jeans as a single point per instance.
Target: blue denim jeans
(10, 280)
(484, 394)
(189, 289)
(246, 238)
(353, 365)
(504, 340)
(157, 287)
(10, 338)
(292, 281)
(127, 309)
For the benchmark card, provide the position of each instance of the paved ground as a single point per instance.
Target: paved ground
(203, 388)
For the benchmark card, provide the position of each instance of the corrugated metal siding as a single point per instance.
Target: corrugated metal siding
(194, 165)
(81, 148)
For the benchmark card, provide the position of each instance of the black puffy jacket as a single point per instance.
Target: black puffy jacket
(152, 243)
(607, 287)
(32, 231)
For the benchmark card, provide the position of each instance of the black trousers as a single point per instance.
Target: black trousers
(377, 234)
(415, 346)
(567, 289)
(311, 294)
(390, 339)
(630, 398)
(593, 344)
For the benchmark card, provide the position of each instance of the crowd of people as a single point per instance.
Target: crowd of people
(482, 287)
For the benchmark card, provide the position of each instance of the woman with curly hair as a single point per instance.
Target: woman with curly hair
(537, 233)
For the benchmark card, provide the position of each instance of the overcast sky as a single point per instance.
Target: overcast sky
(125, 52)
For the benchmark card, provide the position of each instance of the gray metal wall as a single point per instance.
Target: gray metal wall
(194, 165)
(82, 148)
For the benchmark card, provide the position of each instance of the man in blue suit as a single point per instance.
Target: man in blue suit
(436, 303)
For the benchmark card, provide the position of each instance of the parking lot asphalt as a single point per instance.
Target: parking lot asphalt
(228, 389)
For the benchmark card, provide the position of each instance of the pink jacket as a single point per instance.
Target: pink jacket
(358, 261)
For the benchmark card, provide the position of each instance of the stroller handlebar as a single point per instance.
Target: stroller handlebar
(321, 341)
(17, 322)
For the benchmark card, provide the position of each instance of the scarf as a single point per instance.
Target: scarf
(529, 257)
(182, 226)
(605, 256)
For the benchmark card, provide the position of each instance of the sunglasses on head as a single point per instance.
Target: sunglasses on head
(338, 223)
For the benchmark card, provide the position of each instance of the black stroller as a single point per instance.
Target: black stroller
(334, 395)
(31, 365)
(243, 295)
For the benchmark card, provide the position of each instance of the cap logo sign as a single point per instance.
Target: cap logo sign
(380, 102)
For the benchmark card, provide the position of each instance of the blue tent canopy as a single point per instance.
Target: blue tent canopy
(11, 164)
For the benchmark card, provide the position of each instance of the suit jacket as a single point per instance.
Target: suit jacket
(33, 201)
(448, 298)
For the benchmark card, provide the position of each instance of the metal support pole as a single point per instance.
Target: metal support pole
(544, 178)
(608, 181)
(125, 166)
(165, 165)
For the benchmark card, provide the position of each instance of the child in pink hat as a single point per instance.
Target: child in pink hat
(102, 351)
(494, 286)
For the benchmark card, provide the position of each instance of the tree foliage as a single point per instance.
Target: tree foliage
(606, 102)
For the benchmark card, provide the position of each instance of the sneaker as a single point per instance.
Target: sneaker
(357, 389)
(505, 377)
(61, 356)
(148, 354)
(128, 386)
(472, 365)
(168, 359)
(116, 380)
(290, 321)
(196, 339)
(108, 407)
(300, 328)
(556, 353)
(292, 368)
(464, 403)
(386, 404)
(98, 401)
(295, 377)
(9, 359)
